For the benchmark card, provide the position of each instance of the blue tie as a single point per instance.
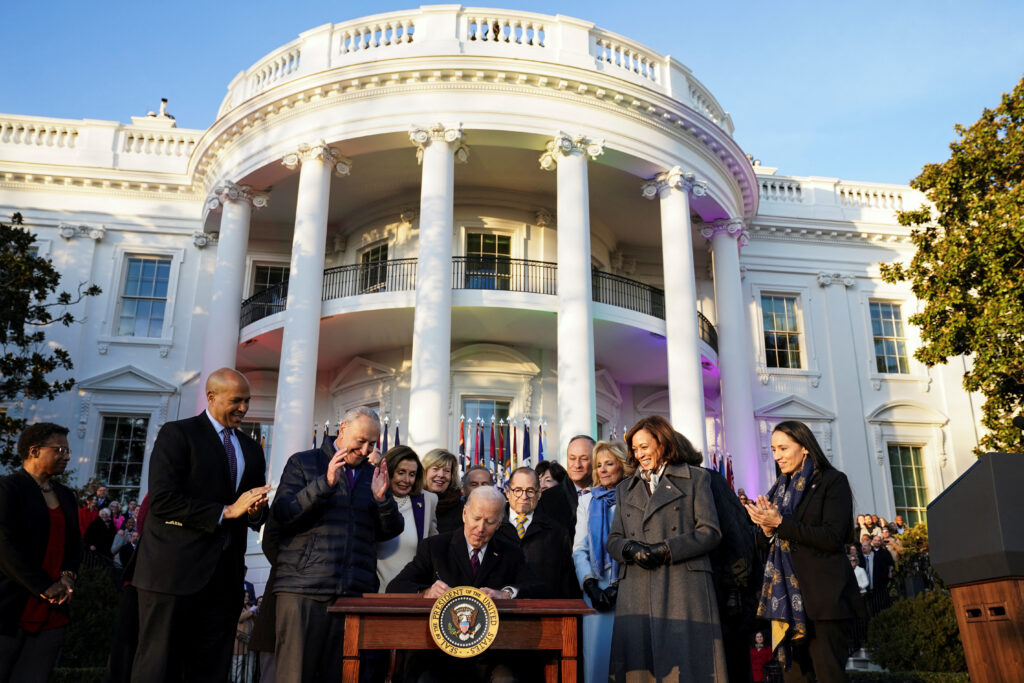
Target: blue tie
(229, 448)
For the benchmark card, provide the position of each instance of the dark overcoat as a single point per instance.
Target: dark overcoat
(666, 619)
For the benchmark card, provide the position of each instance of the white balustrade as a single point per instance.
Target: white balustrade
(612, 49)
(376, 34)
(780, 190)
(280, 66)
(867, 197)
(512, 29)
(37, 134)
(157, 143)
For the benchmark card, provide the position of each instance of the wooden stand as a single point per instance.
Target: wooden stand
(991, 619)
(385, 622)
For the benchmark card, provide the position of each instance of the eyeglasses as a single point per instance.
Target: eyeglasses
(520, 493)
(61, 450)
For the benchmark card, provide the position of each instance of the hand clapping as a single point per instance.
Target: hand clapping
(764, 514)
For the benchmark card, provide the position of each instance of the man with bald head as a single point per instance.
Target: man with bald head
(206, 488)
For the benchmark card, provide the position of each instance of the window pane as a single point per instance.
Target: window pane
(121, 453)
(910, 492)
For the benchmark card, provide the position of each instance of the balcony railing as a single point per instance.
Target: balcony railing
(473, 272)
(504, 274)
(394, 275)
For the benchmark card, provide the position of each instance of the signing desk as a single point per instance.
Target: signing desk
(385, 622)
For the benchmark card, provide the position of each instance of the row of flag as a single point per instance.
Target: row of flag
(496, 446)
(723, 465)
(502, 456)
(382, 437)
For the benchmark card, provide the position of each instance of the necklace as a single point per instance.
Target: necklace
(42, 487)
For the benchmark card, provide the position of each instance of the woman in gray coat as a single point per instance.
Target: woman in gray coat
(666, 617)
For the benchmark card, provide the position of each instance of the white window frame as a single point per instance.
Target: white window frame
(365, 249)
(250, 272)
(122, 253)
(809, 368)
(917, 371)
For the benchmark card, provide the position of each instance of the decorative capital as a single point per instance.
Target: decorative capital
(674, 179)
(437, 132)
(544, 218)
(202, 239)
(733, 227)
(565, 145)
(69, 231)
(227, 191)
(826, 279)
(407, 217)
(342, 165)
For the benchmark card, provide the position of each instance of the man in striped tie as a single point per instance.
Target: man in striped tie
(545, 543)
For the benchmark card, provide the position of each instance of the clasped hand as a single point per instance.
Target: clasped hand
(764, 514)
(251, 502)
(646, 555)
(60, 592)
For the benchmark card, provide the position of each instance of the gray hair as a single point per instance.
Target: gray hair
(488, 493)
(354, 414)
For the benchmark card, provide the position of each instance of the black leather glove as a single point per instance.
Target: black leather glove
(611, 594)
(656, 555)
(632, 549)
(596, 595)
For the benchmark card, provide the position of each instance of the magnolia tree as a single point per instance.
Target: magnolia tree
(968, 270)
(28, 284)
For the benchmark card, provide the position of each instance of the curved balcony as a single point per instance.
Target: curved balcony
(473, 272)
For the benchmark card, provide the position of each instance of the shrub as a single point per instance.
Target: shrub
(918, 634)
(93, 617)
(914, 562)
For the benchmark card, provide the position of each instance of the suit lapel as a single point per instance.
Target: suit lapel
(536, 527)
(458, 555)
(216, 449)
(812, 490)
(636, 494)
(490, 561)
(668, 490)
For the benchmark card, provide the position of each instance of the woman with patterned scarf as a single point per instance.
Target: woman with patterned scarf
(810, 592)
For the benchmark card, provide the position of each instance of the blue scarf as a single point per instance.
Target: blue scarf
(781, 600)
(599, 523)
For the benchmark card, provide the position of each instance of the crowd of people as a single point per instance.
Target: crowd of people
(688, 580)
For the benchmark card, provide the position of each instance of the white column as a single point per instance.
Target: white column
(296, 384)
(682, 333)
(577, 399)
(221, 340)
(734, 352)
(437, 150)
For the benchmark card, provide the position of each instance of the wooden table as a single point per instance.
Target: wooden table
(386, 622)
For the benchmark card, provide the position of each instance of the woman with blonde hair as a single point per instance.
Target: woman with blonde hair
(441, 477)
(596, 571)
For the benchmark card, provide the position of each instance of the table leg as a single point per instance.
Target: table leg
(350, 651)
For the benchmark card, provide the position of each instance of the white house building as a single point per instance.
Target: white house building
(454, 212)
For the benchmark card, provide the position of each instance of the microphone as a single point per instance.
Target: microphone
(1018, 422)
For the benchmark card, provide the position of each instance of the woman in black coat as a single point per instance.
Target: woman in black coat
(810, 593)
(40, 549)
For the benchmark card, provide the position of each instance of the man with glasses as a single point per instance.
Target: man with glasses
(545, 543)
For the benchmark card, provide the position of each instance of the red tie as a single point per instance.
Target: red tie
(474, 561)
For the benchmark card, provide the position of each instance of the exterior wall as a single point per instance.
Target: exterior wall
(96, 191)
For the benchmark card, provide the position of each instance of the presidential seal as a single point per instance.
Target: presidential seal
(464, 622)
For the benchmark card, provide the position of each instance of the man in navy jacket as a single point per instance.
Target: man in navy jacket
(331, 509)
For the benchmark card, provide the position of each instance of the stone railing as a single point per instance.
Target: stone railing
(37, 133)
(158, 143)
(455, 31)
(780, 190)
(869, 196)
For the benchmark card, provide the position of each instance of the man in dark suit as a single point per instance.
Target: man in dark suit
(545, 543)
(471, 556)
(880, 568)
(206, 487)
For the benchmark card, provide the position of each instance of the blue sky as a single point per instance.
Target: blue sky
(862, 91)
